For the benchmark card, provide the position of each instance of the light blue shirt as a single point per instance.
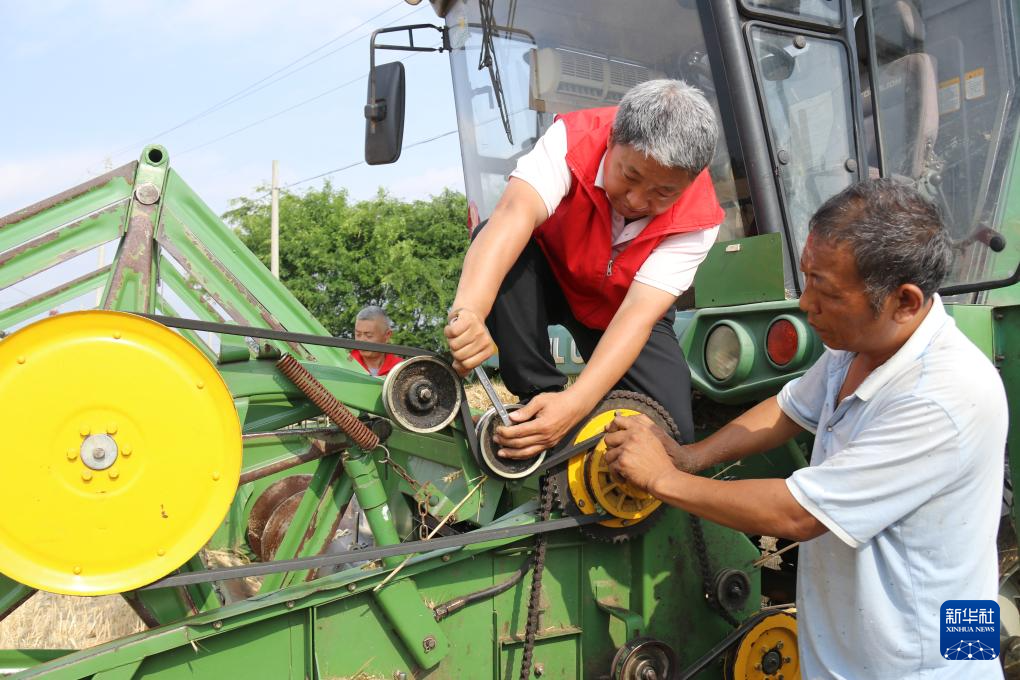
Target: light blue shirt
(906, 473)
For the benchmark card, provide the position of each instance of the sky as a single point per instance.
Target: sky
(227, 86)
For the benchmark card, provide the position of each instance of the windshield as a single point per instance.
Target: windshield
(946, 115)
(557, 57)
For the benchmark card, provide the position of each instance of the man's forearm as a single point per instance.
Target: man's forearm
(758, 429)
(497, 247)
(753, 506)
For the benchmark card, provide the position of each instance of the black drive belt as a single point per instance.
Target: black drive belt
(372, 554)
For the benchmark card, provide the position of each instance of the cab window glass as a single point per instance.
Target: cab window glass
(945, 105)
(556, 57)
(804, 83)
(823, 11)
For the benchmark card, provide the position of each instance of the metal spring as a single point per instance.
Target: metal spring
(321, 397)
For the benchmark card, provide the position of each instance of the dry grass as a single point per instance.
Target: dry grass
(479, 400)
(48, 621)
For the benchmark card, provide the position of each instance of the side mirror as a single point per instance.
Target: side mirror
(384, 114)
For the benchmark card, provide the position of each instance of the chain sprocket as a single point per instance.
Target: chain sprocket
(562, 496)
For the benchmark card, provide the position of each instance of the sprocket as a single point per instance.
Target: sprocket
(574, 502)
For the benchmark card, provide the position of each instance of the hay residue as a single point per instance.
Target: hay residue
(49, 621)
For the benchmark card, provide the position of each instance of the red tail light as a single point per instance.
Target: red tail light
(781, 343)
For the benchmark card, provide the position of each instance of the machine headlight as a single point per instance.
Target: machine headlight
(729, 353)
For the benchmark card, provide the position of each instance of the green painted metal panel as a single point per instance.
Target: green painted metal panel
(976, 323)
(102, 193)
(12, 594)
(40, 304)
(741, 272)
(62, 245)
(763, 378)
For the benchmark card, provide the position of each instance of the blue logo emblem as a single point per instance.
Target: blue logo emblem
(970, 630)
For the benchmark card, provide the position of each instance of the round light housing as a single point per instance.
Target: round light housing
(782, 342)
(788, 342)
(722, 352)
(729, 352)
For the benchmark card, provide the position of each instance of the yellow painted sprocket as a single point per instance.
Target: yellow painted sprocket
(121, 453)
(767, 651)
(587, 485)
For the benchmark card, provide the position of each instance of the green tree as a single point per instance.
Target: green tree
(338, 255)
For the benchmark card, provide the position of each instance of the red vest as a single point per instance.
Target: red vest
(389, 361)
(577, 237)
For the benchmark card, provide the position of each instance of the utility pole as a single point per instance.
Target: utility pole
(274, 223)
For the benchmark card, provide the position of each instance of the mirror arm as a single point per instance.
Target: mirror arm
(375, 111)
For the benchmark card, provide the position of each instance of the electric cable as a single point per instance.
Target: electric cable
(261, 84)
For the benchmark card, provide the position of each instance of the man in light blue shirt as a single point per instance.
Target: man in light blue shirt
(899, 509)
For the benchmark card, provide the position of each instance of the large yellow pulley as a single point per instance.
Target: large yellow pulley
(121, 452)
(767, 651)
(594, 486)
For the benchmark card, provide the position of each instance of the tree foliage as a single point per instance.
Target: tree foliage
(338, 255)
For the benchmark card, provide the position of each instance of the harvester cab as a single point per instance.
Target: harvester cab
(184, 413)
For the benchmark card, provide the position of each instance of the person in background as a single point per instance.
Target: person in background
(372, 325)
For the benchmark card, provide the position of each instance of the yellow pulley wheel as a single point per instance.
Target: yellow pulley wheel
(767, 650)
(591, 481)
(121, 454)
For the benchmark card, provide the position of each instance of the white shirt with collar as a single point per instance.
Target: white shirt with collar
(674, 261)
(906, 473)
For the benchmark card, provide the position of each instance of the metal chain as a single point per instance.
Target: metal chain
(538, 567)
(701, 550)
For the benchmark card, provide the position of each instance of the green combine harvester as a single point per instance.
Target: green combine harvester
(163, 395)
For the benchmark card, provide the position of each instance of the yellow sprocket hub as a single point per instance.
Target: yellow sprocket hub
(122, 451)
(593, 485)
(767, 650)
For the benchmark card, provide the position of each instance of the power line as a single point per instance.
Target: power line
(261, 84)
(362, 162)
(283, 111)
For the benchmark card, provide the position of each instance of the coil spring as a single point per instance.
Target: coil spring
(330, 405)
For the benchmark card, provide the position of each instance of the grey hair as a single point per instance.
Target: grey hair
(895, 234)
(669, 121)
(374, 312)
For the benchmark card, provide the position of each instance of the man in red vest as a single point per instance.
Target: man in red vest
(601, 227)
(372, 325)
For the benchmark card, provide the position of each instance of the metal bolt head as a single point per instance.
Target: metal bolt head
(21, 360)
(147, 193)
(445, 558)
(351, 587)
(289, 604)
(539, 670)
(114, 474)
(98, 451)
(429, 643)
(161, 552)
(200, 384)
(800, 42)
(433, 501)
(72, 454)
(76, 570)
(111, 428)
(779, 645)
(86, 475)
(217, 625)
(399, 675)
